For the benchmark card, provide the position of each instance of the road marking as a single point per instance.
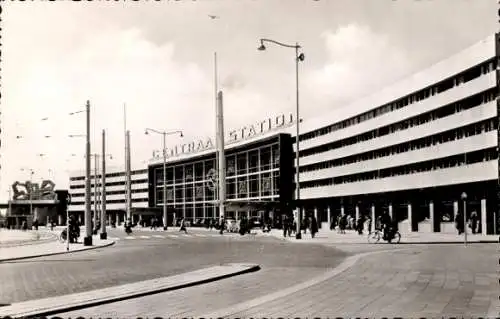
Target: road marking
(145, 237)
(187, 235)
(158, 236)
(114, 238)
(130, 237)
(175, 236)
(200, 235)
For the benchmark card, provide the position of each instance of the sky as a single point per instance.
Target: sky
(158, 59)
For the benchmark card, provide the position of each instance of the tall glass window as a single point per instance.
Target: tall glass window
(170, 175)
(189, 193)
(254, 185)
(253, 161)
(242, 187)
(198, 171)
(179, 174)
(189, 170)
(265, 158)
(179, 193)
(241, 164)
(265, 184)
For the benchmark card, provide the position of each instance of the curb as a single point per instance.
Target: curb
(57, 253)
(311, 241)
(63, 308)
(343, 266)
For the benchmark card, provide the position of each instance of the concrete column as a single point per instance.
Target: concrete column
(356, 213)
(59, 220)
(316, 213)
(390, 210)
(329, 216)
(410, 219)
(431, 215)
(373, 218)
(483, 216)
(342, 211)
(455, 210)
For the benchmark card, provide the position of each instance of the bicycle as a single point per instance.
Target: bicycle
(64, 236)
(376, 235)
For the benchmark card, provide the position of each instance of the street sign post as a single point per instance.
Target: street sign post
(68, 202)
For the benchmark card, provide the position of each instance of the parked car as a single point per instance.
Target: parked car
(232, 225)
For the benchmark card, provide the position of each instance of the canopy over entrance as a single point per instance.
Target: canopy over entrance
(232, 206)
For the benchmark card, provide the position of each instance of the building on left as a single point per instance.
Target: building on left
(30, 202)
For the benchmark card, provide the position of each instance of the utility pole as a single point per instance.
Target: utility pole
(87, 241)
(103, 188)
(222, 159)
(129, 182)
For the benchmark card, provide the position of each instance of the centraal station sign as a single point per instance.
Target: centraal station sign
(234, 136)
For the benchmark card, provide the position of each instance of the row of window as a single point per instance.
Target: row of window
(120, 192)
(252, 161)
(442, 163)
(136, 181)
(448, 136)
(245, 187)
(422, 94)
(445, 111)
(136, 172)
(113, 201)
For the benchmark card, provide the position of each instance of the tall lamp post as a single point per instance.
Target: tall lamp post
(464, 199)
(87, 240)
(298, 57)
(164, 133)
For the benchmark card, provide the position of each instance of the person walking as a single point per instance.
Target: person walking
(473, 222)
(314, 226)
(286, 225)
(183, 226)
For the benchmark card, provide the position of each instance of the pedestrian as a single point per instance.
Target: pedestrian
(459, 223)
(183, 226)
(314, 226)
(343, 224)
(473, 222)
(286, 225)
(359, 225)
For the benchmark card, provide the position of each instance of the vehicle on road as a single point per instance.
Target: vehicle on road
(375, 236)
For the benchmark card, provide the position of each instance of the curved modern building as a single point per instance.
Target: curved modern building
(411, 149)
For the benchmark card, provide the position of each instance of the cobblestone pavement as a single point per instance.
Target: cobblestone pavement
(133, 261)
(433, 281)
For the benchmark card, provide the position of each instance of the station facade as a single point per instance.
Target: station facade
(411, 149)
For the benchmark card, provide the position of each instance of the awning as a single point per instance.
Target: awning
(251, 205)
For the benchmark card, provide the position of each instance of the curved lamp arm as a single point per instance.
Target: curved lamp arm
(296, 46)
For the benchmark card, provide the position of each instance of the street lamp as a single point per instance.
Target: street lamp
(298, 57)
(87, 241)
(164, 133)
(464, 199)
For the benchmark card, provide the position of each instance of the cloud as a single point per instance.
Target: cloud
(359, 62)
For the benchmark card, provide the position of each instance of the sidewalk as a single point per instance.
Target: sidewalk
(352, 237)
(48, 249)
(56, 305)
(14, 237)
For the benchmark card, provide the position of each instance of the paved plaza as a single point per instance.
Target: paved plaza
(418, 281)
(298, 278)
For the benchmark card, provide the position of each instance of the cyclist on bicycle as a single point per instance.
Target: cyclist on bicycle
(386, 223)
